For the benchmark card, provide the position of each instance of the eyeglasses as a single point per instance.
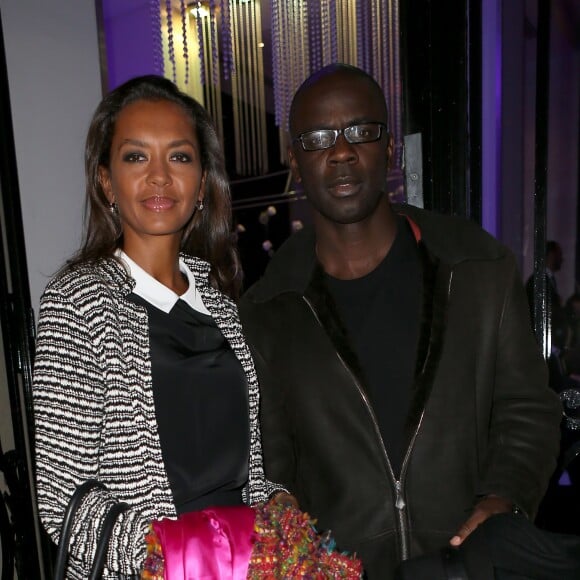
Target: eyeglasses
(326, 138)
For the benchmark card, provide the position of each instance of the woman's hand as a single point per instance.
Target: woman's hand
(286, 499)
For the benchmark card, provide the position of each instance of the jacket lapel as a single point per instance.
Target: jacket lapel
(325, 309)
(437, 277)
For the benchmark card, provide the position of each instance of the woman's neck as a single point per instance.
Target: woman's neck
(161, 261)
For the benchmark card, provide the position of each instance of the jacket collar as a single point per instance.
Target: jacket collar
(443, 243)
(157, 293)
(444, 237)
(116, 275)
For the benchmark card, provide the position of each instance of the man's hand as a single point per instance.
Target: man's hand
(488, 506)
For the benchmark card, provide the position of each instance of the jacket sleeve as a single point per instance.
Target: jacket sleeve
(526, 413)
(68, 395)
(277, 441)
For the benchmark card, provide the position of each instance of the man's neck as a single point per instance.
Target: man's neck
(349, 251)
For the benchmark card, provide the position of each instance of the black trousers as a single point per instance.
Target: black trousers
(504, 547)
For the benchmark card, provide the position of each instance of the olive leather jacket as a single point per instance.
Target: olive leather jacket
(482, 419)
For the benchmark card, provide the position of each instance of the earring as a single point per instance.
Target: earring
(113, 208)
(199, 205)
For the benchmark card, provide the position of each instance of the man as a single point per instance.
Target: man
(404, 398)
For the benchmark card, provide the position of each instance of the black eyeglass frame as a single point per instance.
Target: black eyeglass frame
(336, 132)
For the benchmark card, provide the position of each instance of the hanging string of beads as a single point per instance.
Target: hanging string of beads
(226, 36)
(184, 32)
(305, 36)
(157, 35)
(171, 45)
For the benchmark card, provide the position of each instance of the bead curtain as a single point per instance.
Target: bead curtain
(214, 45)
(309, 34)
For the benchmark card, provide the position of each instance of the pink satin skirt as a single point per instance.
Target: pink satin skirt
(208, 544)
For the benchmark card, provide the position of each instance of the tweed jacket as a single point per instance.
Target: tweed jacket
(482, 419)
(95, 414)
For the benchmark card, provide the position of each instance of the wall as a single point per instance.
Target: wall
(52, 56)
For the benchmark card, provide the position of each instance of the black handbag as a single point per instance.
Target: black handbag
(104, 536)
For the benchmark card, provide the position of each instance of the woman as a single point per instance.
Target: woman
(143, 379)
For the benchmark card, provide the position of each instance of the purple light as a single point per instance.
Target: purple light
(564, 479)
(129, 40)
(491, 115)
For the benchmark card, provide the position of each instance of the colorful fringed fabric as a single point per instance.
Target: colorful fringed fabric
(285, 545)
(154, 565)
(288, 546)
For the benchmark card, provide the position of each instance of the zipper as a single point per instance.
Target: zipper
(400, 503)
(399, 499)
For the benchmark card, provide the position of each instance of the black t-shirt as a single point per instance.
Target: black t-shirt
(201, 406)
(381, 313)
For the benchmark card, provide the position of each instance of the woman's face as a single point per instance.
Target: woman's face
(155, 175)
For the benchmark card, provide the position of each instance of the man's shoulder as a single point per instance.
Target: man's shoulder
(452, 238)
(289, 270)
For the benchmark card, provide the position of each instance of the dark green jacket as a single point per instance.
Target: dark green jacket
(482, 418)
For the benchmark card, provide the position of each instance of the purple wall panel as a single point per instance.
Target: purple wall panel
(491, 115)
(129, 39)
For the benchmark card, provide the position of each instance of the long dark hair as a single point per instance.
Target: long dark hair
(209, 234)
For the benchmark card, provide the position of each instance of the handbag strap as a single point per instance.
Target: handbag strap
(453, 564)
(67, 523)
(100, 555)
(73, 505)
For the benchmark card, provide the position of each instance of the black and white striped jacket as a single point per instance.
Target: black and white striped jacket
(95, 415)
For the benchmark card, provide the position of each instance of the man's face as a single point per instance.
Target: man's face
(345, 182)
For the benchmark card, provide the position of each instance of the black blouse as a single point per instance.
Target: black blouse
(201, 403)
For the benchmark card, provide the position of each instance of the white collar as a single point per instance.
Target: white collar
(158, 294)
